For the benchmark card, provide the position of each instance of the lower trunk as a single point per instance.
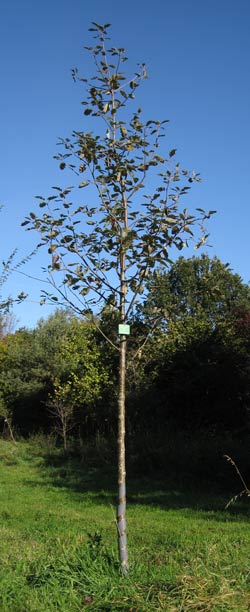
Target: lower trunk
(121, 510)
(65, 440)
(8, 423)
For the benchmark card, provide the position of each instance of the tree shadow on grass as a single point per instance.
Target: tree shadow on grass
(98, 484)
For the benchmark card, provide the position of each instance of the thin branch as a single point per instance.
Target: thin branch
(77, 309)
(104, 335)
(40, 280)
(137, 292)
(149, 334)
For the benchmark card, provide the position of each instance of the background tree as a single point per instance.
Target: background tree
(83, 380)
(198, 287)
(6, 417)
(60, 357)
(61, 410)
(104, 246)
(23, 381)
(196, 368)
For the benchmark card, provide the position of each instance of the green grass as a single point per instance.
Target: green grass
(58, 541)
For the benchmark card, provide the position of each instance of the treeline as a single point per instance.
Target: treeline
(191, 369)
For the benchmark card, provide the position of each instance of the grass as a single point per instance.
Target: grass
(58, 540)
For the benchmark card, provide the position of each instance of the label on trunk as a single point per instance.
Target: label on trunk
(123, 329)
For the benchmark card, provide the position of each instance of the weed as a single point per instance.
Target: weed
(245, 490)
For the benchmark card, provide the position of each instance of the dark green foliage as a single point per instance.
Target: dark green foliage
(199, 288)
(22, 380)
(196, 370)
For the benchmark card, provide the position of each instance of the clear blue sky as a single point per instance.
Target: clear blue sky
(198, 59)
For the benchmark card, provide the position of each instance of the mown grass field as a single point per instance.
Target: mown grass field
(58, 541)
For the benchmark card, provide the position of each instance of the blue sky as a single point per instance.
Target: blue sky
(198, 61)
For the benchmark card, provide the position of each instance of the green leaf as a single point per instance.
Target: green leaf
(172, 152)
(170, 220)
(52, 248)
(83, 184)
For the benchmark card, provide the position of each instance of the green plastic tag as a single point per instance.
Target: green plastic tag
(124, 330)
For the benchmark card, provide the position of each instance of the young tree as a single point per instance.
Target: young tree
(103, 246)
(6, 417)
(80, 379)
(62, 411)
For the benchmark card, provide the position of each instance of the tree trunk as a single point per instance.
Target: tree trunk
(121, 510)
(8, 423)
(65, 439)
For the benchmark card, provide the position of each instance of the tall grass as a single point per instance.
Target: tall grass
(58, 537)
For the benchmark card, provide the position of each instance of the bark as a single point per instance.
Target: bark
(121, 510)
(8, 423)
(65, 440)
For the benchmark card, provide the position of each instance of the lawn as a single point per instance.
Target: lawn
(58, 541)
